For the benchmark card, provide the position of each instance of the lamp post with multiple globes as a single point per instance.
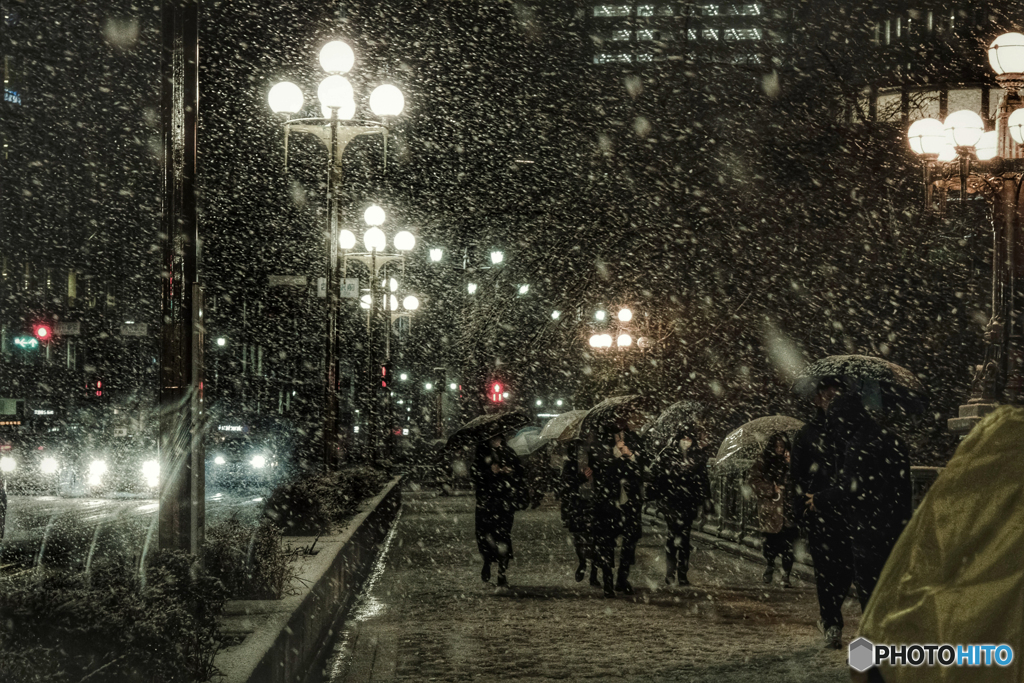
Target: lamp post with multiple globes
(959, 155)
(336, 127)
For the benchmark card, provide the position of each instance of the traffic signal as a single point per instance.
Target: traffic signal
(497, 392)
(42, 332)
(94, 388)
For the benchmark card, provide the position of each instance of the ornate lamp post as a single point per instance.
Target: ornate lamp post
(959, 155)
(335, 128)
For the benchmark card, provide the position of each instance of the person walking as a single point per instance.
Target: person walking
(576, 513)
(813, 467)
(769, 479)
(680, 486)
(618, 506)
(500, 482)
(872, 489)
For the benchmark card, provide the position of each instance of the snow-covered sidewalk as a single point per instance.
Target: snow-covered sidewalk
(427, 616)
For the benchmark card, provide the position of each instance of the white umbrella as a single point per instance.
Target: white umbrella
(527, 441)
(564, 427)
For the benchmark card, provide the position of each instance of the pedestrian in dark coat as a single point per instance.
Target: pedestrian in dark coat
(873, 490)
(618, 506)
(576, 513)
(680, 486)
(769, 479)
(813, 467)
(500, 481)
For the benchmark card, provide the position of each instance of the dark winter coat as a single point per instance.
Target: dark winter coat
(813, 466)
(873, 489)
(576, 510)
(618, 494)
(501, 492)
(679, 482)
(769, 479)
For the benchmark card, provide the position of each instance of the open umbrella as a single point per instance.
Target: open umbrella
(668, 423)
(626, 407)
(564, 427)
(884, 384)
(486, 426)
(747, 442)
(528, 440)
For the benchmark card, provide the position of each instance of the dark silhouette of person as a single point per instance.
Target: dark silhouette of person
(618, 505)
(500, 482)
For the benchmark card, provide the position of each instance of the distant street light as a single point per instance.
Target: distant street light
(336, 129)
(555, 315)
(625, 315)
(436, 254)
(221, 341)
(472, 288)
(600, 315)
(523, 289)
(497, 257)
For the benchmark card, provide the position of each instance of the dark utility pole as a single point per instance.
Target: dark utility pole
(182, 485)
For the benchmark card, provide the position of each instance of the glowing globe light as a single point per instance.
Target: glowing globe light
(374, 215)
(625, 315)
(405, 241)
(1006, 54)
(963, 128)
(335, 92)
(926, 136)
(387, 100)
(1015, 124)
(987, 145)
(624, 340)
(374, 240)
(285, 98)
(410, 303)
(346, 239)
(336, 57)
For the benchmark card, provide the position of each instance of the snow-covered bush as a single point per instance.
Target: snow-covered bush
(114, 624)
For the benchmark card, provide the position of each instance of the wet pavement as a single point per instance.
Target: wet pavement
(425, 615)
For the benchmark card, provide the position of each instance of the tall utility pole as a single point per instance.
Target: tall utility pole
(182, 475)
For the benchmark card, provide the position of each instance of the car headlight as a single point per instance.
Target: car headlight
(7, 464)
(258, 461)
(151, 473)
(97, 468)
(49, 466)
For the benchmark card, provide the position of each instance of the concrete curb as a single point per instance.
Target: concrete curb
(280, 640)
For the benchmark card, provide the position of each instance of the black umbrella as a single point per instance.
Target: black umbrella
(679, 414)
(627, 407)
(485, 427)
(888, 385)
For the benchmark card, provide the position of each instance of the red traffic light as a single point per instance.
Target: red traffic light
(42, 332)
(497, 392)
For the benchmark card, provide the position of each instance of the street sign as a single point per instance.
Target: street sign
(25, 342)
(321, 287)
(350, 288)
(287, 280)
(134, 330)
(67, 329)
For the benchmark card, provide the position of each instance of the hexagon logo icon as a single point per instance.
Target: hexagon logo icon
(862, 654)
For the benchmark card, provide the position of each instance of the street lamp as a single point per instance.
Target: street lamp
(376, 257)
(335, 128)
(969, 159)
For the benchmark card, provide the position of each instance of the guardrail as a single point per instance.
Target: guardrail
(735, 515)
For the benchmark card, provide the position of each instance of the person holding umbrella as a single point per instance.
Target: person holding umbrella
(873, 488)
(680, 485)
(500, 483)
(618, 506)
(576, 513)
(812, 468)
(769, 479)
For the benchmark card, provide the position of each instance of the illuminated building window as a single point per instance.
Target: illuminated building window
(743, 34)
(645, 10)
(612, 58)
(621, 35)
(611, 10)
(645, 34)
